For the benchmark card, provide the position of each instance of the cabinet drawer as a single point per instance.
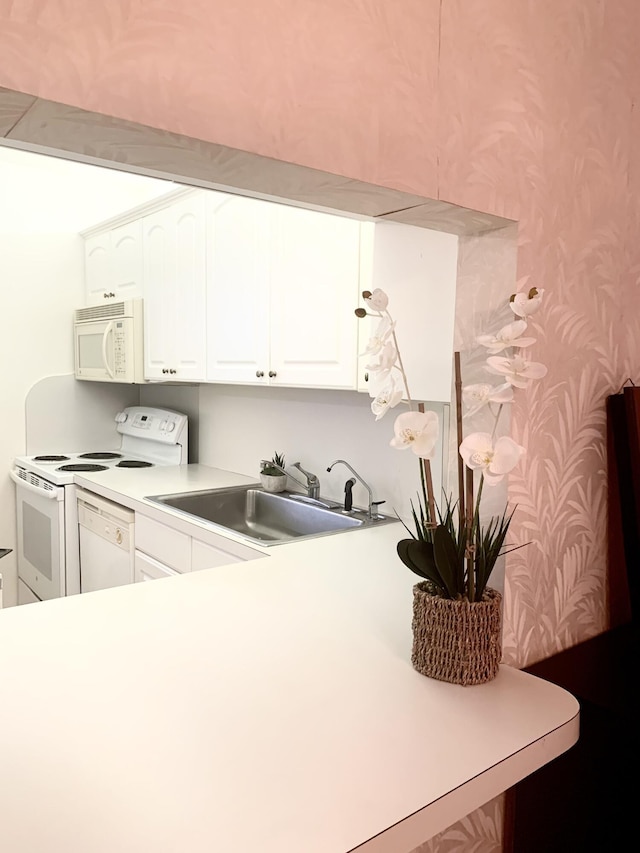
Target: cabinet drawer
(205, 555)
(169, 546)
(148, 569)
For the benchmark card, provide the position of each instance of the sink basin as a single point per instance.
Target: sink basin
(266, 517)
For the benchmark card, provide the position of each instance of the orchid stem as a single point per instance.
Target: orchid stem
(400, 365)
(425, 476)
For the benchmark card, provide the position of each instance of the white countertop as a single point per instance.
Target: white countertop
(264, 707)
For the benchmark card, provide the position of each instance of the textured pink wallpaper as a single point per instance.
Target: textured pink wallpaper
(346, 83)
(522, 108)
(536, 123)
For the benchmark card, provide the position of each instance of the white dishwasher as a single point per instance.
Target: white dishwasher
(106, 542)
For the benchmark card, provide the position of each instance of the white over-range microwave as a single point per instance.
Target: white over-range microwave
(108, 342)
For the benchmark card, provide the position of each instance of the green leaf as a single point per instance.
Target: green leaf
(489, 546)
(418, 556)
(446, 557)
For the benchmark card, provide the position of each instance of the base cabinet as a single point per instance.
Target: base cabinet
(162, 551)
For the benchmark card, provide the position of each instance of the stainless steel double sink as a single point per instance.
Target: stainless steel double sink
(268, 518)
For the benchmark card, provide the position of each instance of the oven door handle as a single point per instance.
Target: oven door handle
(104, 349)
(54, 494)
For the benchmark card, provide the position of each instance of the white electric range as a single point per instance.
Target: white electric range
(46, 505)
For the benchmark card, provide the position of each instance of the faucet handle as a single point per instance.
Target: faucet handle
(313, 483)
(311, 478)
(375, 504)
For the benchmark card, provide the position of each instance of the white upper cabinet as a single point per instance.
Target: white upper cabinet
(242, 290)
(174, 275)
(113, 264)
(238, 282)
(315, 278)
(282, 286)
(417, 268)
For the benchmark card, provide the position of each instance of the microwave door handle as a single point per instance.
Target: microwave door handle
(55, 494)
(104, 350)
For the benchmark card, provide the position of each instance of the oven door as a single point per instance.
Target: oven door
(41, 536)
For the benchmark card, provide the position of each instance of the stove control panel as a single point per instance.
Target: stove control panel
(161, 425)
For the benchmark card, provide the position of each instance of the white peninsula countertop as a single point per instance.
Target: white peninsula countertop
(268, 706)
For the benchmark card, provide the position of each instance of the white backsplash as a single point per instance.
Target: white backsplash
(240, 425)
(63, 414)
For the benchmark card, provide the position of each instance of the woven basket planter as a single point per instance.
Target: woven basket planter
(456, 641)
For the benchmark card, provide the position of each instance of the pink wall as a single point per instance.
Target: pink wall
(515, 107)
(348, 86)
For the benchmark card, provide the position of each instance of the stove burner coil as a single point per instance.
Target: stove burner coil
(82, 466)
(133, 463)
(49, 458)
(100, 455)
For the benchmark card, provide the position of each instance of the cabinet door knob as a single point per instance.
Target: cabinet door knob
(173, 371)
(108, 295)
(165, 370)
(272, 373)
(259, 373)
(366, 377)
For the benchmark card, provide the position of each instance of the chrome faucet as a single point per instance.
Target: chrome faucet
(372, 503)
(312, 484)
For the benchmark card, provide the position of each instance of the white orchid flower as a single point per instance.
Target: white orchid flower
(379, 337)
(508, 336)
(525, 304)
(386, 399)
(417, 430)
(517, 371)
(385, 364)
(378, 300)
(475, 397)
(480, 453)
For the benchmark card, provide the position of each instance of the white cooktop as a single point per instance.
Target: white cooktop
(148, 437)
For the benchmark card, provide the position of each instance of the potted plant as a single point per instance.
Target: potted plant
(453, 549)
(272, 475)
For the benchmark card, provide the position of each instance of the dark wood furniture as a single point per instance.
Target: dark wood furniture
(585, 799)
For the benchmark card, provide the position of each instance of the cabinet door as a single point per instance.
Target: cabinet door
(238, 276)
(97, 276)
(113, 264)
(175, 292)
(126, 260)
(189, 317)
(417, 268)
(205, 555)
(158, 295)
(314, 292)
(164, 543)
(148, 569)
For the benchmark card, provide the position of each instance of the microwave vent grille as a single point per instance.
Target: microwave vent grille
(110, 311)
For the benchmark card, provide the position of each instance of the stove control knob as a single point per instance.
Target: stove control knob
(170, 426)
(121, 417)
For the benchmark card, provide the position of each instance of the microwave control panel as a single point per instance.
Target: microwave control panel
(119, 349)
